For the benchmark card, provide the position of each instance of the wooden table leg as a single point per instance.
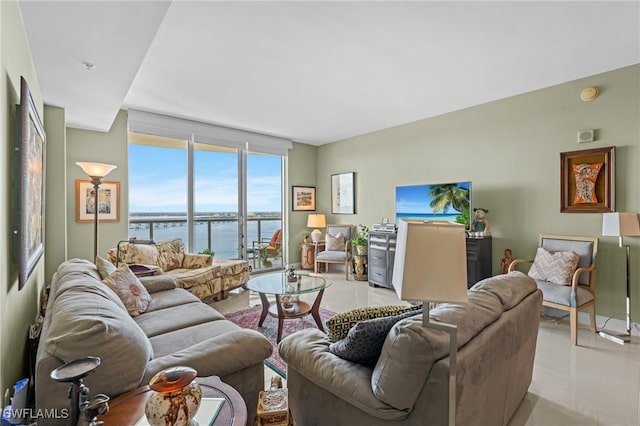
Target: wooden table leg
(315, 309)
(280, 318)
(265, 308)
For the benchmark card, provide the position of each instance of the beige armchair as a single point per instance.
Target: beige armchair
(579, 291)
(337, 248)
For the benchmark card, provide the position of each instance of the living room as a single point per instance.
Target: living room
(509, 148)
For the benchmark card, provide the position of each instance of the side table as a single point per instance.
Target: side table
(127, 408)
(360, 263)
(308, 254)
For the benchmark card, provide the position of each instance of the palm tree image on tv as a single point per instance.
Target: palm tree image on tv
(446, 201)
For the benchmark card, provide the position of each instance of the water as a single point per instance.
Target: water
(224, 235)
(426, 216)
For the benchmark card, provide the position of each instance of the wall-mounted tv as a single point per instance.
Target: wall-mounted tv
(442, 201)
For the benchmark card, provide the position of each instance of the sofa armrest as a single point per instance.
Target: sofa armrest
(156, 283)
(221, 355)
(195, 261)
(307, 352)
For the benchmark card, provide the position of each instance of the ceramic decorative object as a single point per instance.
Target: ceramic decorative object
(175, 397)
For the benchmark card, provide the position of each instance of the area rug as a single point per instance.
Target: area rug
(248, 318)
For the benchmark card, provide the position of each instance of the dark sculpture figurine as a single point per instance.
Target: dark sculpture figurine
(506, 261)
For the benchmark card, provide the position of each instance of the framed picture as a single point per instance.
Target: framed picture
(108, 201)
(342, 193)
(587, 181)
(31, 171)
(303, 198)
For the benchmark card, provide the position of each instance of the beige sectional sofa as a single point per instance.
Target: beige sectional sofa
(84, 317)
(497, 333)
(203, 275)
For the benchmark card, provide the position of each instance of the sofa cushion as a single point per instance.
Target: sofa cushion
(105, 268)
(229, 267)
(171, 254)
(129, 289)
(165, 320)
(89, 322)
(364, 341)
(193, 261)
(555, 267)
(339, 325)
(170, 298)
(410, 349)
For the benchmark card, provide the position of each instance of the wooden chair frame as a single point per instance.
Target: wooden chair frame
(591, 287)
(347, 250)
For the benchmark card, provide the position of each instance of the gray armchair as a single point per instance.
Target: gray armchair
(337, 248)
(581, 292)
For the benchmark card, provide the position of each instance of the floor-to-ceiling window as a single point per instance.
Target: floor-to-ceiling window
(209, 187)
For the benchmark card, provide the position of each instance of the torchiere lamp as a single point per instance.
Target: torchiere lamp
(621, 225)
(96, 172)
(431, 266)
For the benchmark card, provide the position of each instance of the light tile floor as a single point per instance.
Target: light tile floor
(594, 384)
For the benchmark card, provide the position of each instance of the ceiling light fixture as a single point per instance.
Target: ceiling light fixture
(88, 66)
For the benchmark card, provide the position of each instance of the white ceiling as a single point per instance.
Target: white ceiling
(315, 72)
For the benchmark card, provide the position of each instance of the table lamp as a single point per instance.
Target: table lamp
(316, 221)
(96, 172)
(621, 225)
(431, 266)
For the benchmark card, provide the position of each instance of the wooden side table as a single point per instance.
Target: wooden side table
(127, 408)
(308, 254)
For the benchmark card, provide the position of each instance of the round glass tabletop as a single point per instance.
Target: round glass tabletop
(278, 284)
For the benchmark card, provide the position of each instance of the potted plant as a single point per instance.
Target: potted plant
(361, 239)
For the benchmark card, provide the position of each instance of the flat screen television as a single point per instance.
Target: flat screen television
(441, 201)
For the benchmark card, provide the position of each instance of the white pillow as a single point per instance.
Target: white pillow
(129, 289)
(335, 243)
(556, 267)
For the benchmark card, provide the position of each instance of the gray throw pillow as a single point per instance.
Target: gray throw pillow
(364, 341)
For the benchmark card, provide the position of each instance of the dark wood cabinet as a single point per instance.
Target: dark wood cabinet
(479, 258)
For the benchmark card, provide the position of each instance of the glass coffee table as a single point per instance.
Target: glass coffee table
(287, 305)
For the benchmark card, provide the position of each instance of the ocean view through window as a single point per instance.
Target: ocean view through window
(159, 172)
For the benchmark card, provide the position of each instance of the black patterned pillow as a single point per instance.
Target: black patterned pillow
(364, 341)
(338, 326)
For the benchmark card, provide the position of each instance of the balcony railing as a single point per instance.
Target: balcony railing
(219, 234)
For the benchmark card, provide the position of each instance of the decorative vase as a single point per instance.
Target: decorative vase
(175, 397)
(361, 250)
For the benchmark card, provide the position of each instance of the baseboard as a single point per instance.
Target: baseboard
(614, 324)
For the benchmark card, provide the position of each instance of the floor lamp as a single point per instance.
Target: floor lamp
(621, 225)
(96, 172)
(431, 266)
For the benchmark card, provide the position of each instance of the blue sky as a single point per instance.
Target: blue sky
(415, 198)
(158, 181)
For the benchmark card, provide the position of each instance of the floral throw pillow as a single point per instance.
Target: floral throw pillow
(556, 267)
(335, 243)
(129, 289)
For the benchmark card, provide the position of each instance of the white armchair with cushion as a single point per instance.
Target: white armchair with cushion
(337, 248)
(564, 269)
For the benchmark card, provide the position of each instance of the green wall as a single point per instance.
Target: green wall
(302, 171)
(17, 308)
(110, 148)
(510, 150)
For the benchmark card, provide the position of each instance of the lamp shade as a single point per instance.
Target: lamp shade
(430, 262)
(96, 169)
(620, 224)
(316, 221)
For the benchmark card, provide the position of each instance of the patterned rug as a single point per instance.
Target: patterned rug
(249, 318)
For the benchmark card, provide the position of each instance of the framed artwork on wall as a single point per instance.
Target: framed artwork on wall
(303, 198)
(108, 201)
(30, 169)
(343, 193)
(587, 181)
